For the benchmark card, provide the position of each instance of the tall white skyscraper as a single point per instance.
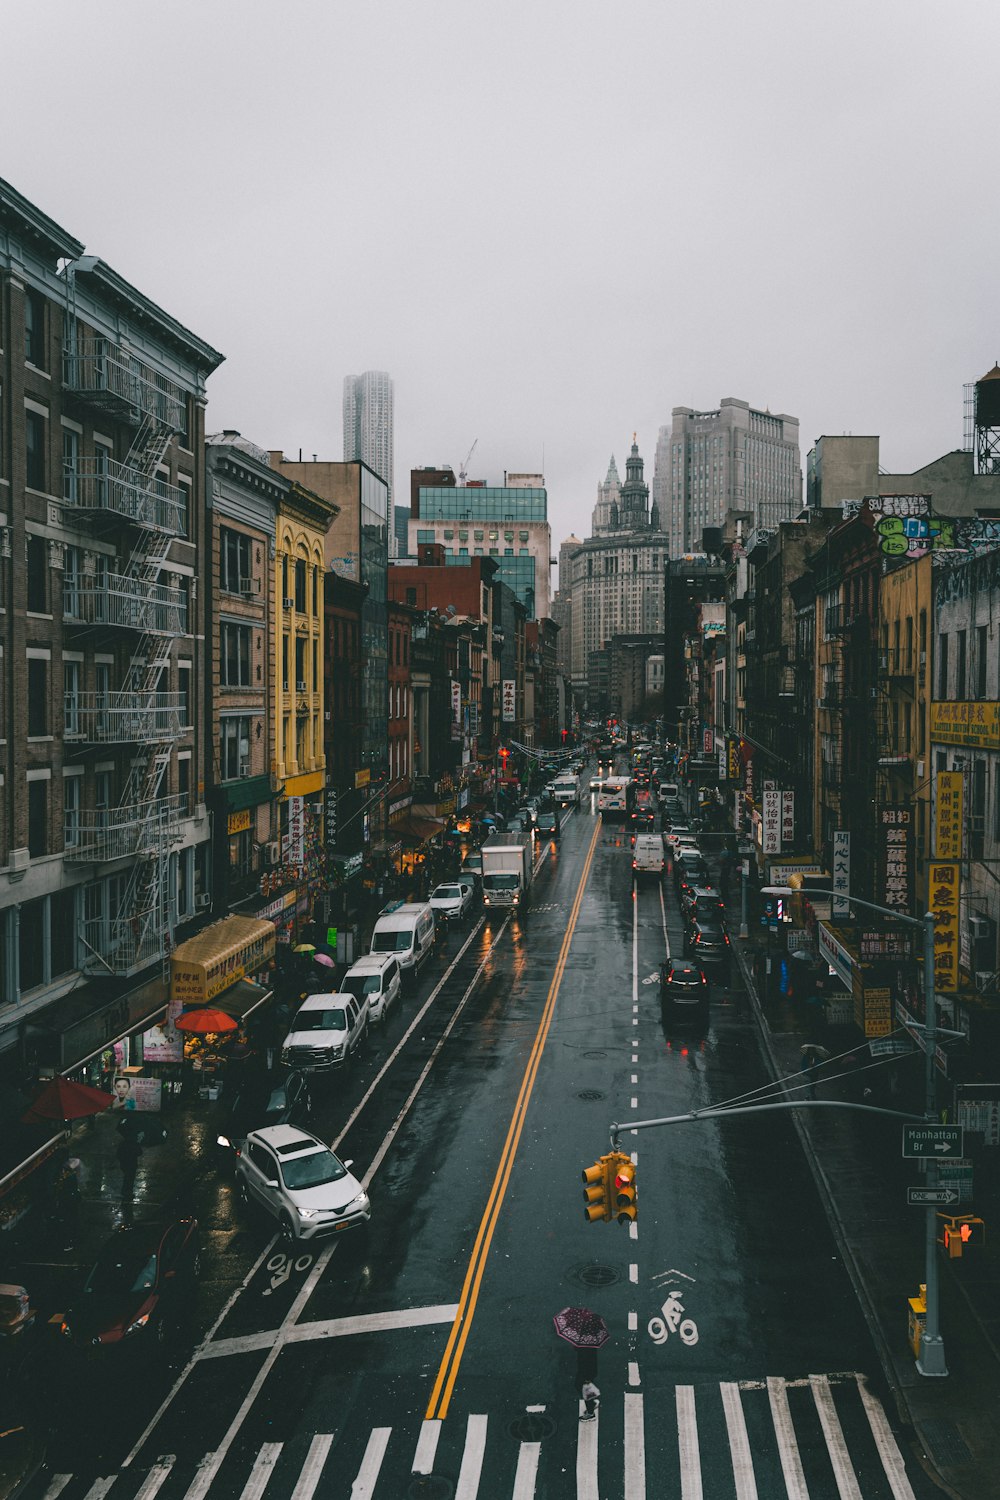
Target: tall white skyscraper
(368, 427)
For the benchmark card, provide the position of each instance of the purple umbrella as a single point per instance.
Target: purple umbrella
(581, 1327)
(325, 960)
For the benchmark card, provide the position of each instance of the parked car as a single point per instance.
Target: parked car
(326, 1032)
(138, 1286)
(683, 989)
(376, 978)
(472, 863)
(708, 945)
(677, 832)
(474, 885)
(296, 1178)
(701, 903)
(258, 1100)
(453, 899)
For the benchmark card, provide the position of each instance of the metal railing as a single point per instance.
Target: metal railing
(114, 379)
(123, 718)
(95, 484)
(130, 603)
(127, 831)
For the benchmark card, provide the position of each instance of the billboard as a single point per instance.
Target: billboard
(895, 852)
(949, 821)
(841, 873)
(944, 893)
(508, 701)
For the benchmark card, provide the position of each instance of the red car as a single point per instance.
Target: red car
(137, 1286)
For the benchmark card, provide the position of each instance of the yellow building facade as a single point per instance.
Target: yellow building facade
(298, 761)
(904, 703)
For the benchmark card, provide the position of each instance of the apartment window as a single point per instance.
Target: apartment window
(184, 502)
(31, 944)
(961, 665)
(34, 329)
(102, 469)
(71, 582)
(184, 775)
(236, 646)
(34, 450)
(38, 818)
(71, 697)
(184, 436)
(71, 455)
(977, 840)
(300, 585)
(235, 747)
(38, 697)
(71, 811)
(184, 688)
(942, 663)
(300, 664)
(102, 796)
(315, 579)
(982, 647)
(235, 565)
(284, 663)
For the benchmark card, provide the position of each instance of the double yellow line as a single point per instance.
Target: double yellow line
(447, 1374)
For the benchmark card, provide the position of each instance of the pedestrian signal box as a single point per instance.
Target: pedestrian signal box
(961, 1231)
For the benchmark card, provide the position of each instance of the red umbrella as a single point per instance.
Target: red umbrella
(206, 1018)
(60, 1099)
(581, 1327)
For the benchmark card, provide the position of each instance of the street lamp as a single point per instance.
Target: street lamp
(932, 1360)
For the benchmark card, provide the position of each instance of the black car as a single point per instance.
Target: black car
(547, 823)
(683, 988)
(260, 1099)
(708, 945)
(701, 903)
(690, 872)
(138, 1287)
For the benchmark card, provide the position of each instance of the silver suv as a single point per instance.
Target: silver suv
(375, 978)
(296, 1178)
(326, 1031)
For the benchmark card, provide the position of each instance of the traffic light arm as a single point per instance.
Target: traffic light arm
(756, 1109)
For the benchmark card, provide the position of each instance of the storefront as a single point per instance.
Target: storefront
(227, 967)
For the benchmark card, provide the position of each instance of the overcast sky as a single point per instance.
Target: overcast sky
(550, 222)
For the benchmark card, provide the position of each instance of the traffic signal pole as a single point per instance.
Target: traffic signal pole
(932, 1361)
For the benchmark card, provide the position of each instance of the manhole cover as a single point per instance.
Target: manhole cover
(430, 1487)
(532, 1427)
(591, 1094)
(598, 1275)
(595, 1054)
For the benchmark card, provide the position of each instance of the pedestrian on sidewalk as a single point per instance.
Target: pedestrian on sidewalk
(66, 1203)
(129, 1153)
(813, 1057)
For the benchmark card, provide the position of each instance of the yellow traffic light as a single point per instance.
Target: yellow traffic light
(625, 1206)
(596, 1192)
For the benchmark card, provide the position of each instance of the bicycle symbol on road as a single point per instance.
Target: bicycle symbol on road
(281, 1267)
(671, 1317)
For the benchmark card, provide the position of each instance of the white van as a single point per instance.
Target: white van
(647, 856)
(405, 928)
(377, 977)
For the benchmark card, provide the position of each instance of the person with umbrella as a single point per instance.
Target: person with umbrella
(586, 1332)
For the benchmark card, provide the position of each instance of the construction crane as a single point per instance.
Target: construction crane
(463, 472)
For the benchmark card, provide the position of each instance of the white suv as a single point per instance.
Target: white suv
(299, 1180)
(325, 1032)
(375, 978)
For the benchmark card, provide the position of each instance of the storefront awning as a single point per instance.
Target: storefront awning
(418, 830)
(242, 999)
(207, 965)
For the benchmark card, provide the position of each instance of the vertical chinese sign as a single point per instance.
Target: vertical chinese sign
(788, 820)
(944, 889)
(456, 710)
(841, 874)
(508, 700)
(772, 822)
(950, 810)
(895, 827)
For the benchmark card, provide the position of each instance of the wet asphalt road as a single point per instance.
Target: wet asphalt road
(420, 1358)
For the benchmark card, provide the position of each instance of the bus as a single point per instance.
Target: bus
(616, 797)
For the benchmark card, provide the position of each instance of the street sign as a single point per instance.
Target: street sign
(932, 1197)
(935, 1141)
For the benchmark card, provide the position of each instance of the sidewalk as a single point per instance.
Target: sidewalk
(862, 1178)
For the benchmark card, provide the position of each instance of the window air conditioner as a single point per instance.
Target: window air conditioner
(301, 687)
(979, 927)
(202, 901)
(249, 585)
(272, 853)
(244, 771)
(289, 602)
(986, 979)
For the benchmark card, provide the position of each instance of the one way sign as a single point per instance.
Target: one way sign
(935, 1141)
(939, 1197)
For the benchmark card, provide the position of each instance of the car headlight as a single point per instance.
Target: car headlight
(139, 1323)
(223, 1140)
(357, 1205)
(308, 1213)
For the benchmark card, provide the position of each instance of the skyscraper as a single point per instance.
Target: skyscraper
(368, 424)
(733, 458)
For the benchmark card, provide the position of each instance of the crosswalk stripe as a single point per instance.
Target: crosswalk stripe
(57, 1484)
(423, 1458)
(155, 1478)
(847, 1485)
(100, 1488)
(364, 1486)
(262, 1470)
(472, 1458)
(739, 1442)
(687, 1444)
(784, 1431)
(586, 1455)
(527, 1469)
(888, 1450)
(635, 1448)
(312, 1468)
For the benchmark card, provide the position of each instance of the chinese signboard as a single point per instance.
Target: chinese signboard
(787, 819)
(707, 741)
(872, 1006)
(456, 710)
(238, 822)
(331, 818)
(293, 849)
(895, 826)
(841, 873)
(733, 753)
(772, 822)
(944, 890)
(508, 701)
(973, 724)
(950, 804)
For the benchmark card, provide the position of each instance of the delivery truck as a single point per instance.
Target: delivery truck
(507, 869)
(565, 789)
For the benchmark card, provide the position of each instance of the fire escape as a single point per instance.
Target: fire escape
(129, 504)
